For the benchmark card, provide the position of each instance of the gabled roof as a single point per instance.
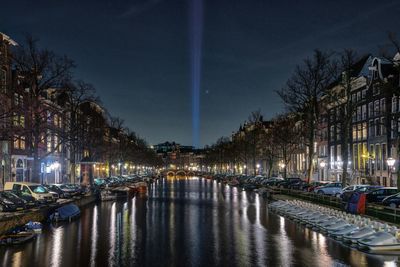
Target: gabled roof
(8, 39)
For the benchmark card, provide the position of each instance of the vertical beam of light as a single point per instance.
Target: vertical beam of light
(196, 38)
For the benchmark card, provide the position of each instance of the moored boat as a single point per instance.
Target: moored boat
(65, 213)
(380, 241)
(34, 226)
(17, 238)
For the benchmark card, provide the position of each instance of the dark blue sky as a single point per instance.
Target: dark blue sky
(137, 53)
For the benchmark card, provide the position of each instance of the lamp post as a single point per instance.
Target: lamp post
(390, 163)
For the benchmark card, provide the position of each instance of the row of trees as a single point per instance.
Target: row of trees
(40, 88)
(257, 140)
(323, 81)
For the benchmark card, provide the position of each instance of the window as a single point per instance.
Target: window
(49, 144)
(338, 130)
(364, 112)
(383, 126)
(22, 142)
(353, 98)
(359, 113)
(332, 133)
(384, 156)
(358, 96)
(363, 93)
(16, 142)
(371, 109)
(371, 128)
(378, 156)
(364, 131)
(354, 132)
(376, 107)
(56, 119)
(19, 142)
(394, 104)
(383, 105)
(377, 127)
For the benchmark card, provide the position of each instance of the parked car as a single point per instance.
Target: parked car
(333, 189)
(316, 184)
(272, 181)
(60, 190)
(349, 190)
(392, 201)
(30, 201)
(11, 202)
(286, 183)
(380, 194)
(300, 185)
(37, 191)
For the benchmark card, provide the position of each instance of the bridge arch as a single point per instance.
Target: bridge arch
(170, 173)
(180, 172)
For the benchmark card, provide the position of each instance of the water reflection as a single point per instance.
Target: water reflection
(185, 222)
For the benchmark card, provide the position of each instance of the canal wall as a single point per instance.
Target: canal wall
(10, 220)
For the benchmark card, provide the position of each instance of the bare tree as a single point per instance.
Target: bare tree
(303, 92)
(41, 70)
(74, 96)
(285, 138)
(340, 97)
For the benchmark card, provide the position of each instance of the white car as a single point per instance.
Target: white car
(333, 189)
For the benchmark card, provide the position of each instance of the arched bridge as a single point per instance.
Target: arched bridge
(179, 173)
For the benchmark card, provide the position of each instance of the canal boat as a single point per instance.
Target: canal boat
(34, 226)
(106, 195)
(65, 213)
(380, 241)
(17, 238)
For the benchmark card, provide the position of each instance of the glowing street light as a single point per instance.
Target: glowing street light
(390, 162)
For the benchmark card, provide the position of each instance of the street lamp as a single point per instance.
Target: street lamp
(390, 163)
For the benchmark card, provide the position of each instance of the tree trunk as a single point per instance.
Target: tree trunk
(36, 167)
(345, 155)
(310, 156)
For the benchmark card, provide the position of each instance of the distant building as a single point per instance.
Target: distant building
(176, 156)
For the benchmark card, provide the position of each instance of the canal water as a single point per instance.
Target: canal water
(185, 222)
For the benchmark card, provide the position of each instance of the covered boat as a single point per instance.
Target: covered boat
(65, 213)
(34, 226)
(17, 238)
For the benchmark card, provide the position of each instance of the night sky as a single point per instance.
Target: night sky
(139, 56)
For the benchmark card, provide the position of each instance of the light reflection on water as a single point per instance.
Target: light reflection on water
(185, 222)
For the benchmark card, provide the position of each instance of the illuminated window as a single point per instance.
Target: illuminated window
(354, 132)
(364, 130)
(22, 142)
(49, 144)
(15, 119)
(16, 142)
